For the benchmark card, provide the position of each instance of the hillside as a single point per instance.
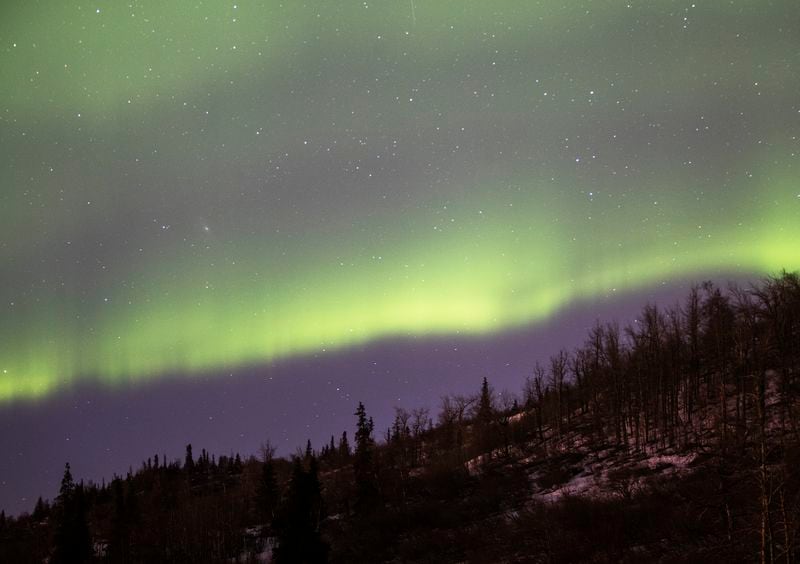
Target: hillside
(672, 439)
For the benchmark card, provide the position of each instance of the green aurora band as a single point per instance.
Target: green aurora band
(472, 244)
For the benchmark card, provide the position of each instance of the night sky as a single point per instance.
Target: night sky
(222, 222)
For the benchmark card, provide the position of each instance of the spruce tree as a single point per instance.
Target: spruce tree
(483, 438)
(39, 510)
(344, 447)
(122, 520)
(188, 463)
(118, 541)
(72, 539)
(267, 495)
(67, 485)
(363, 461)
(485, 404)
(297, 526)
(315, 494)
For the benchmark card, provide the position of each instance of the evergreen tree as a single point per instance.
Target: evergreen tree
(483, 436)
(267, 495)
(363, 462)
(67, 485)
(344, 447)
(119, 543)
(315, 493)
(188, 463)
(39, 510)
(297, 527)
(72, 539)
(485, 404)
(131, 507)
(82, 536)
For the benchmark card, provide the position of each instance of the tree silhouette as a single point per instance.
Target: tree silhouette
(40, 510)
(188, 463)
(72, 539)
(119, 543)
(297, 526)
(363, 461)
(267, 496)
(344, 447)
(485, 404)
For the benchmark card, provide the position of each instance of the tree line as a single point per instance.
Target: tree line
(715, 375)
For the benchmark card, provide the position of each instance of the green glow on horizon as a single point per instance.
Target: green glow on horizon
(451, 287)
(188, 189)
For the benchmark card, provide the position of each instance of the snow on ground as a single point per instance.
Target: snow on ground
(607, 473)
(571, 464)
(583, 484)
(517, 417)
(678, 462)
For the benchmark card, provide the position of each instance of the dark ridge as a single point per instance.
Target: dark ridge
(672, 439)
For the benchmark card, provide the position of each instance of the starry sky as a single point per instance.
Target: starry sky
(201, 198)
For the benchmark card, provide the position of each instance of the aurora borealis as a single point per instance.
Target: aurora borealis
(190, 188)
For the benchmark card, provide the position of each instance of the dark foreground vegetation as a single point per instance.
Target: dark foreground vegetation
(673, 439)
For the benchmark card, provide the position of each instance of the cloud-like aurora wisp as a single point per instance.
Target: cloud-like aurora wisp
(475, 275)
(188, 187)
